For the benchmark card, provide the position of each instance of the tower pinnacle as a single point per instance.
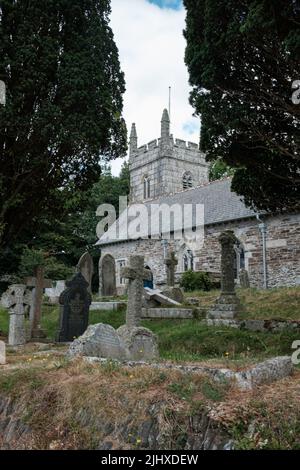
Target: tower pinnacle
(133, 142)
(165, 125)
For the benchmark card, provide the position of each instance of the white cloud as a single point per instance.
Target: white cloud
(151, 47)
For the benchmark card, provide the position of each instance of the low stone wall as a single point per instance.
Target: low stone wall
(107, 305)
(167, 313)
(263, 373)
(272, 326)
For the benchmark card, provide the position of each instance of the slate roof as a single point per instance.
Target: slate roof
(220, 205)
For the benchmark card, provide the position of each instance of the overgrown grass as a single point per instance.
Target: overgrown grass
(189, 340)
(279, 303)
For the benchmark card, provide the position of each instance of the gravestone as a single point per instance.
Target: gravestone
(86, 267)
(170, 290)
(140, 342)
(171, 262)
(2, 353)
(136, 274)
(99, 340)
(39, 283)
(244, 279)
(54, 292)
(228, 304)
(15, 298)
(75, 302)
(107, 276)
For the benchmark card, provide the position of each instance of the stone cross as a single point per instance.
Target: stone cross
(86, 267)
(137, 274)
(14, 299)
(227, 240)
(2, 353)
(171, 262)
(39, 284)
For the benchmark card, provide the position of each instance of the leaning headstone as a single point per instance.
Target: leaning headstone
(2, 353)
(228, 304)
(244, 279)
(15, 298)
(74, 302)
(99, 341)
(86, 267)
(39, 283)
(140, 342)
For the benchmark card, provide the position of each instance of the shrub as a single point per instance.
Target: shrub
(192, 280)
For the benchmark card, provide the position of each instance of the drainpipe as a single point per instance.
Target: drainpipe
(263, 230)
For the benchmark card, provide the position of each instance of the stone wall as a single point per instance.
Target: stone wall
(283, 251)
(165, 166)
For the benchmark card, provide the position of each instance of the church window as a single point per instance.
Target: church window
(187, 180)
(120, 264)
(147, 191)
(239, 262)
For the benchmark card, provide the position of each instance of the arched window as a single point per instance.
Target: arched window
(239, 259)
(187, 180)
(147, 191)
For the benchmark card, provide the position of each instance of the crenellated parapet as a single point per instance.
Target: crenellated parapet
(163, 164)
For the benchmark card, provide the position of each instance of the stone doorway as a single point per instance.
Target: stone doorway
(150, 282)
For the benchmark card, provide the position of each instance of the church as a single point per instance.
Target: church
(171, 171)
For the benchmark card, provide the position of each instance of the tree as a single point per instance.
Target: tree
(243, 56)
(63, 109)
(64, 237)
(218, 169)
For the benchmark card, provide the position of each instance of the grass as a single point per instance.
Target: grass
(279, 303)
(189, 340)
(118, 402)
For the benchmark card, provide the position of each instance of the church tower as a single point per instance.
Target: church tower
(164, 166)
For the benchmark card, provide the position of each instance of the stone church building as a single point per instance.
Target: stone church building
(172, 171)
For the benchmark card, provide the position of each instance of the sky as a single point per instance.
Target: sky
(151, 46)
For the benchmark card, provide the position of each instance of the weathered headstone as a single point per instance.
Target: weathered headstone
(171, 262)
(244, 279)
(54, 292)
(228, 304)
(15, 298)
(99, 340)
(39, 283)
(107, 276)
(74, 302)
(2, 353)
(86, 267)
(170, 290)
(136, 274)
(140, 342)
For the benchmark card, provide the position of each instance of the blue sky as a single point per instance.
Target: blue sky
(174, 4)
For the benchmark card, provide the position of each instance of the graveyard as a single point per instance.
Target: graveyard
(149, 268)
(163, 395)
